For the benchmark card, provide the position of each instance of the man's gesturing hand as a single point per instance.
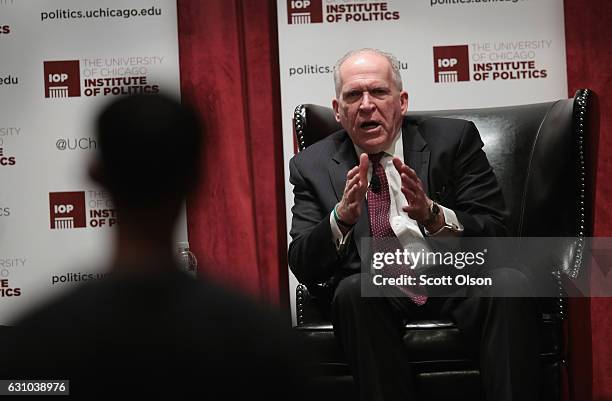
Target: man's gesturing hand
(418, 202)
(349, 208)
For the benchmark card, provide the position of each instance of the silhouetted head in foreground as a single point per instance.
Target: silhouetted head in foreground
(149, 150)
(148, 159)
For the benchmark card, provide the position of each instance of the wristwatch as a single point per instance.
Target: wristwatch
(434, 212)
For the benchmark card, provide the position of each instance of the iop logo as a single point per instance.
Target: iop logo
(62, 78)
(67, 209)
(304, 11)
(451, 63)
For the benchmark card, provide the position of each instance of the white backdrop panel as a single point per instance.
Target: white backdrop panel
(51, 138)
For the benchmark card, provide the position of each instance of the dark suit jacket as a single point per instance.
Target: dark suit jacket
(446, 154)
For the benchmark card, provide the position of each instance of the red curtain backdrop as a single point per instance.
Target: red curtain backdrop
(589, 65)
(229, 70)
(228, 61)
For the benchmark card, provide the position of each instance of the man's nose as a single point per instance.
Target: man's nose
(366, 102)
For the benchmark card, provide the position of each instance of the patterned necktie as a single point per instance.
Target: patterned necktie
(383, 236)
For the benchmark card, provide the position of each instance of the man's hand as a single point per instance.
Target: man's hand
(419, 203)
(349, 208)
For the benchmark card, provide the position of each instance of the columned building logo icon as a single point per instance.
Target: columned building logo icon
(62, 79)
(304, 11)
(67, 210)
(451, 63)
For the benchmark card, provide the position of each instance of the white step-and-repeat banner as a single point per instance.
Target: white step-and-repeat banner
(453, 53)
(61, 61)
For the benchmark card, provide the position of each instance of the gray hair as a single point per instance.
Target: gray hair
(393, 62)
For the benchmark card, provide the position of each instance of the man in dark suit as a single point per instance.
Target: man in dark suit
(149, 330)
(408, 182)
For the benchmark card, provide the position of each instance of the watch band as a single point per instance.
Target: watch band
(339, 221)
(434, 212)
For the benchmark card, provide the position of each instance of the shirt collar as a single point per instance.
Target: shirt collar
(396, 148)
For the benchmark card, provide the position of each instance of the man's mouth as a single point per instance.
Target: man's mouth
(369, 125)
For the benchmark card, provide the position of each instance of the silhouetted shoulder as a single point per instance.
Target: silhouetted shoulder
(163, 332)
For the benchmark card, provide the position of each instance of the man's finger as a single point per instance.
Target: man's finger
(353, 181)
(354, 195)
(410, 195)
(404, 169)
(410, 210)
(361, 187)
(412, 184)
(363, 167)
(398, 164)
(349, 193)
(352, 172)
(410, 173)
(361, 191)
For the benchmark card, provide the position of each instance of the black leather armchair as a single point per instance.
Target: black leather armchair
(544, 156)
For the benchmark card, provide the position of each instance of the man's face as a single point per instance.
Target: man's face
(370, 106)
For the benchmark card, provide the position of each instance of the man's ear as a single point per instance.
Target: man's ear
(404, 101)
(97, 172)
(335, 106)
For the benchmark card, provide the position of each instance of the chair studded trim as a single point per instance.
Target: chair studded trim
(581, 109)
(299, 117)
(581, 102)
(301, 292)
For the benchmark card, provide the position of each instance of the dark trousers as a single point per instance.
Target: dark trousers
(502, 331)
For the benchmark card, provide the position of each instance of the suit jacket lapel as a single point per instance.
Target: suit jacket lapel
(344, 160)
(416, 155)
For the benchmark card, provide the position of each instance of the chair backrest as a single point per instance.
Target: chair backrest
(544, 156)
